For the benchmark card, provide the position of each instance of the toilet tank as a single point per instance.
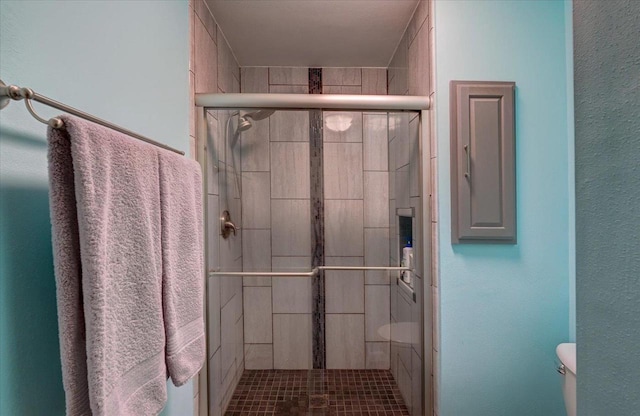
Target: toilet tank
(567, 356)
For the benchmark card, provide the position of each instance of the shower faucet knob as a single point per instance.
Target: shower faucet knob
(227, 226)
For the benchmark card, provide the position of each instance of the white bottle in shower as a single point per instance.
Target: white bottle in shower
(407, 261)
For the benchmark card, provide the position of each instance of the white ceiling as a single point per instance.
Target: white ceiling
(314, 33)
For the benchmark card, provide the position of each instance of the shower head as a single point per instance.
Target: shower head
(259, 114)
(244, 122)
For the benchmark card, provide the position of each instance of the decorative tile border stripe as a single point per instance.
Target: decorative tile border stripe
(317, 223)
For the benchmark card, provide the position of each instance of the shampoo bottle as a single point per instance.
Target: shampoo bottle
(407, 261)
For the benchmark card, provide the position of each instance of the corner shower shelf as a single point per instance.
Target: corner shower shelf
(408, 290)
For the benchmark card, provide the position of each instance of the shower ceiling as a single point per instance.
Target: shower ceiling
(315, 33)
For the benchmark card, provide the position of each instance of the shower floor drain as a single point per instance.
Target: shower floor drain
(318, 401)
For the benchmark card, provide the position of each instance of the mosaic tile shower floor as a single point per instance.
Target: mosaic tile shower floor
(317, 392)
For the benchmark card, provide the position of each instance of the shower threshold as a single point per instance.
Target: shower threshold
(317, 392)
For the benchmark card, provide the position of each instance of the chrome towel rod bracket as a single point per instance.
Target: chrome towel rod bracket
(15, 93)
(5, 95)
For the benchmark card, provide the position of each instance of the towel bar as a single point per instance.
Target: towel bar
(13, 92)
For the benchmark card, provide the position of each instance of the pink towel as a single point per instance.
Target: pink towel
(107, 235)
(183, 265)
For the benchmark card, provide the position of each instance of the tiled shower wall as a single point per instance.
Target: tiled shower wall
(213, 68)
(405, 198)
(276, 196)
(276, 191)
(411, 73)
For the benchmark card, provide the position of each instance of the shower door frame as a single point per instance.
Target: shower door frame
(345, 102)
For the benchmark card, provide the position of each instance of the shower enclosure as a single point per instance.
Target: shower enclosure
(310, 203)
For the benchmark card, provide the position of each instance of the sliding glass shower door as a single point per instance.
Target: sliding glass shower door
(306, 190)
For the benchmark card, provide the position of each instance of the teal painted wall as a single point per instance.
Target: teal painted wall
(607, 86)
(571, 168)
(504, 308)
(123, 61)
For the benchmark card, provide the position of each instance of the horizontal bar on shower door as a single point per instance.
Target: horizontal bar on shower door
(265, 274)
(391, 268)
(315, 101)
(306, 274)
